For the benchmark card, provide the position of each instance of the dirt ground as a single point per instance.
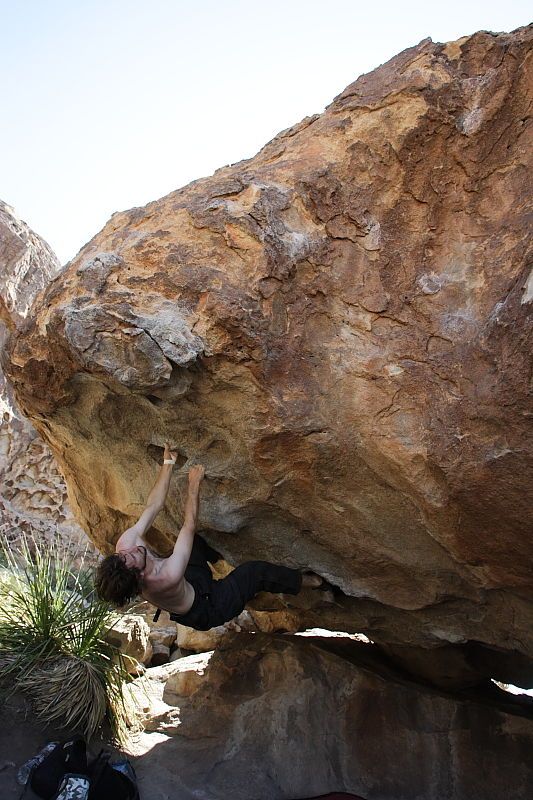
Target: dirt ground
(21, 737)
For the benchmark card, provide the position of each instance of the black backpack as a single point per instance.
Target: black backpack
(61, 772)
(115, 781)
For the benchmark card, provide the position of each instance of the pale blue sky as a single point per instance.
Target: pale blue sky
(108, 105)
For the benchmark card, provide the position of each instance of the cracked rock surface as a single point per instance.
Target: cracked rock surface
(33, 497)
(338, 330)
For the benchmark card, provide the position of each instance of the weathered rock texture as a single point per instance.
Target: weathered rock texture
(33, 496)
(337, 328)
(294, 720)
(130, 634)
(28, 265)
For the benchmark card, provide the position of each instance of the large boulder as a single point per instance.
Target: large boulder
(276, 717)
(337, 328)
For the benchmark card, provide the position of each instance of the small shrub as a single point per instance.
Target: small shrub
(52, 641)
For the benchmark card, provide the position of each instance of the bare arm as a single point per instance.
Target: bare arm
(174, 567)
(154, 504)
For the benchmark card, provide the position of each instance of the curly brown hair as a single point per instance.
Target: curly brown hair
(115, 582)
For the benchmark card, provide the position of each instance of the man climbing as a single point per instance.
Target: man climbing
(182, 583)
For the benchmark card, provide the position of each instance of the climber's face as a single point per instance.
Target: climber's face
(133, 557)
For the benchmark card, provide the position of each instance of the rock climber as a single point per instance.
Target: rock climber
(183, 583)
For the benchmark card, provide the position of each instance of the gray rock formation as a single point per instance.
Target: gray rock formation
(28, 264)
(33, 497)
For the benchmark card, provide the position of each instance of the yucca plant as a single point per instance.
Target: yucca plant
(52, 641)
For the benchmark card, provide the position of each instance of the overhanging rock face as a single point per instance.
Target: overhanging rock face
(337, 328)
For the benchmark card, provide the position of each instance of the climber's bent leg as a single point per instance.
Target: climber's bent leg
(230, 595)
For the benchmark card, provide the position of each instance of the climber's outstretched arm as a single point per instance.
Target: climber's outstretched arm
(175, 565)
(154, 504)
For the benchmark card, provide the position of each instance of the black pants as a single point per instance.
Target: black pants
(216, 602)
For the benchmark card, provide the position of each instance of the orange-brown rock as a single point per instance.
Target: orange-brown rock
(337, 328)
